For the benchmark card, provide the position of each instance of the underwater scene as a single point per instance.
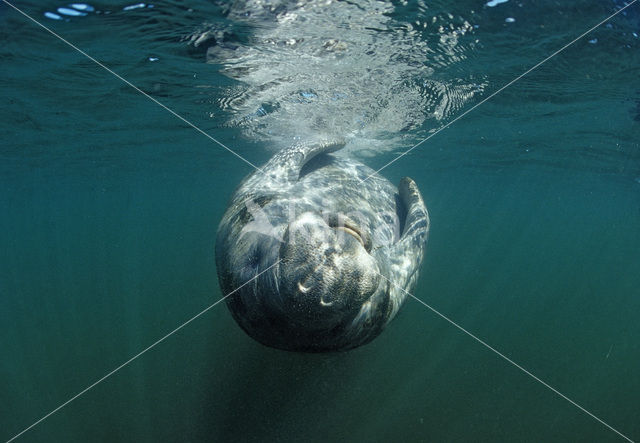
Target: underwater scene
(127, 127)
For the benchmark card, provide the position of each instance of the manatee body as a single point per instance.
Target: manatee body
(334, 244)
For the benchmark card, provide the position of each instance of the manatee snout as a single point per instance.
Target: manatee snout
(304, 243)
(326, 271)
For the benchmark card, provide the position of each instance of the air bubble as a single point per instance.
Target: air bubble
(70, 12)
(136, 6)
(52, 16)
(82, 7)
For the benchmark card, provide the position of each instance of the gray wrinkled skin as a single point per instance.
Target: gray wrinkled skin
(335, 238)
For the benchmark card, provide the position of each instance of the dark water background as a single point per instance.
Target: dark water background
(109, 206)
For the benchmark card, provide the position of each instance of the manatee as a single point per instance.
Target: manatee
(335, 248)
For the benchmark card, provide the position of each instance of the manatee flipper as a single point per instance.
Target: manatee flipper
(416, 224)
(288, 162)
(411, 245)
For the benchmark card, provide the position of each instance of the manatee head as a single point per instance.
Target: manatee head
(301, 275)
(326, 270)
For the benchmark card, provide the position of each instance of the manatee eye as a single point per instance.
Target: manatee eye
(329, 251)
(254, 259)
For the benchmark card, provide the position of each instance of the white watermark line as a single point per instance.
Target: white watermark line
(442, 128)
(134, 86)
(157, 342)
(504, 357)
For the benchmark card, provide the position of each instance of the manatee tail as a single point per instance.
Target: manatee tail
(288, 162)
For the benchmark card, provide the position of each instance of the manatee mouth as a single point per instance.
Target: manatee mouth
(347, 225)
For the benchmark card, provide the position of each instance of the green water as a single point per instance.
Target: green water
(108, 212)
